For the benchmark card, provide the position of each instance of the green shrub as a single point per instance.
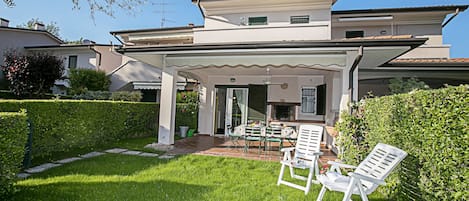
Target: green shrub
(186, 115)
(13, 136)
(399, 85)
(93, 95)
(187, 109)
(61, 125)
(134, 96)
(431, 126)
(83, 80)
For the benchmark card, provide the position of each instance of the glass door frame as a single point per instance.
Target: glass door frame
(229, 107)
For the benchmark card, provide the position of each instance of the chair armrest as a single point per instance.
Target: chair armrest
(366, 178)
(318, 153)
(341, 165)
(288, 149)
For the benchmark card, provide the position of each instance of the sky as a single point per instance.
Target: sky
(78, 23)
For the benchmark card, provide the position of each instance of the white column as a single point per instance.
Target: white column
(167, 106)
(206, 108)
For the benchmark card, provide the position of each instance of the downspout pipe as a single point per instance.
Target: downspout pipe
(98, 53)
(357, 60)
(451, 18)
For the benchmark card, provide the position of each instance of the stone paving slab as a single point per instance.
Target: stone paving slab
(149, 154)
(23, 175)
(134, 153)
(166, 157)
(116, 150)
(68, 160)
(92, 154)
(42, 168)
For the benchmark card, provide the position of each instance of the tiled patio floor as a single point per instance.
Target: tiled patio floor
(221, 146)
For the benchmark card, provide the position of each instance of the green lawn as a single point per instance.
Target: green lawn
(190, 177)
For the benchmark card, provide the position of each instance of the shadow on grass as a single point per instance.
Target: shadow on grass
(115, 191)
(106, 165)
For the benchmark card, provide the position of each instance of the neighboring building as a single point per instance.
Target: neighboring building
(87, 55)
(290, 62)
(15, 39)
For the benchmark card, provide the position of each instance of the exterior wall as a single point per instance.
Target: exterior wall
(110, 60)
(275, 94)
(234, 28)
(14, 39)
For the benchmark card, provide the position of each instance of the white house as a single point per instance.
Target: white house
(126, 74)
(288, 62)
(15, 39)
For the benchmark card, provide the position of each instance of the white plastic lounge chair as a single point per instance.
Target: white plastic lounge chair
(306, 155)
(370, 173)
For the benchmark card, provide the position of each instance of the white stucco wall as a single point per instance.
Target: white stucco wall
(13, 39)
(235, 28)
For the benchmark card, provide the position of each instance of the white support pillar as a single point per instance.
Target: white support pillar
(167, 106)
(206, 108)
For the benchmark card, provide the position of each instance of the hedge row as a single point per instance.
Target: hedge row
(13, 136)
(432, 126)
(61, 125)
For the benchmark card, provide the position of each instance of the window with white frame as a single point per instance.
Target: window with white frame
(308, 100)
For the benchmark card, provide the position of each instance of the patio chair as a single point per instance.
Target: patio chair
(235, 134)
(274, 134)
(252, 134)
(370, 173)
(306, 155)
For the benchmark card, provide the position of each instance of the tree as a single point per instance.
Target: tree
(104, 6)
(83, 80)
(398, 85)
(32, 74)
(51, 27)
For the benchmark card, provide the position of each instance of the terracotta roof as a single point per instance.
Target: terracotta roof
(381, 37)
(431, 61)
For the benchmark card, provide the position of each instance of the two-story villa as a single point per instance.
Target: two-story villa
(288, 62)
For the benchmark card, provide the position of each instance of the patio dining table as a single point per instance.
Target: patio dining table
(261, 133)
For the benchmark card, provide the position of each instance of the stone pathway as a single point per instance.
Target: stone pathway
(46, 166)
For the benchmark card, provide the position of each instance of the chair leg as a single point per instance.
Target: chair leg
(321, 193)
(362, 191)
(348, 193)
(308, 182)
(280, 176)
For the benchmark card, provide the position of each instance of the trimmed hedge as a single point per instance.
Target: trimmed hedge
(432, 126)
(13, 136)
(61, 125)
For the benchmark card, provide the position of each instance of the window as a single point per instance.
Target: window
(303, 19)
(72, 61)
(257, 20)
(354, 34)
(308, 100)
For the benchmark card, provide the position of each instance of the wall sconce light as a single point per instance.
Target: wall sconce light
(232, 79)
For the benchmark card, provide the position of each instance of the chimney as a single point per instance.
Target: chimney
(4, 22)
(39, 26)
